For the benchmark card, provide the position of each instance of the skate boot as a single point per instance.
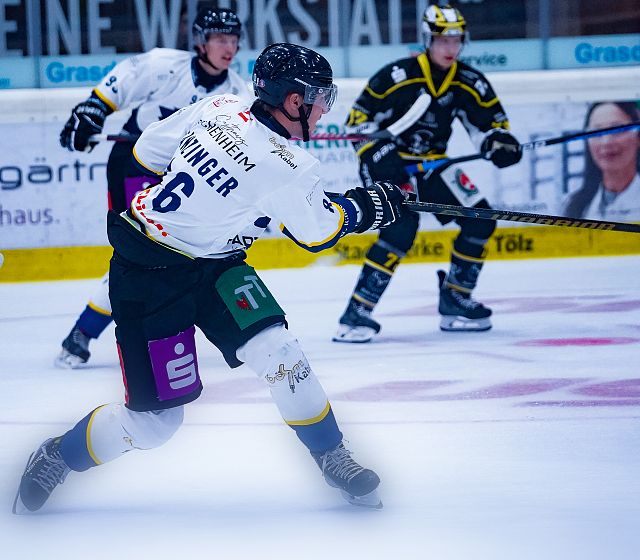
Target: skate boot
(45, 470)
(356, 324)
(75, 350)
(459, 311)
(356, 484)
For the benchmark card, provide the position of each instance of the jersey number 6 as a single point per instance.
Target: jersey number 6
(167, 200)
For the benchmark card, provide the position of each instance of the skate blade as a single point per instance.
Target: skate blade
(355, 335)
(371, 500)
(18, 505)
(464, 324)
(65, 360)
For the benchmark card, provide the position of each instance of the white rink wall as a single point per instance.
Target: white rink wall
(50, 197)
(63, 195)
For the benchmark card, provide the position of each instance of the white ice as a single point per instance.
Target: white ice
(519, 443)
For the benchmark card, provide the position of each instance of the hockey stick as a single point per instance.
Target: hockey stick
(122, 137)
(510, 216)
(325, 136)
(426, 165)
(423, 165)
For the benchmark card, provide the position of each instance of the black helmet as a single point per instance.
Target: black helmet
(440, 21)
(285, 68)
(210, 20)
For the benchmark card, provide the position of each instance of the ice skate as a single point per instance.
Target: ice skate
(75, 350)
(356, 484)
(44, 471)
(356, 324)
(459, 311)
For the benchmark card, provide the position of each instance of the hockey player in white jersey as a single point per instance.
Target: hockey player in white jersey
(155, 85)
(228, 168)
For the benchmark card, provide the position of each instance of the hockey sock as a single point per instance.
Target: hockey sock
(380, 263)
(93, 321)
(275, 355)
(112, 429)
(97, 314)
(466, 263)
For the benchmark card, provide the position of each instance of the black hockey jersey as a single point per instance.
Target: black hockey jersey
(392, 94)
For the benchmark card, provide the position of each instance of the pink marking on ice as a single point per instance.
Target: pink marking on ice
(604, 341)
(582, 404)
(624, 388)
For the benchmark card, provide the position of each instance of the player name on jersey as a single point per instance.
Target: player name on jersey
(207, 167)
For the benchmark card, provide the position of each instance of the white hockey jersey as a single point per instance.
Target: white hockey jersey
(227, 175)
(158, 83)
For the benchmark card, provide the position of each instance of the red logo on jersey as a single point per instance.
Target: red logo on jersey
(463, 181)
(222, 100)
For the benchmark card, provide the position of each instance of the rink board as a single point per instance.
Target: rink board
(65, 263)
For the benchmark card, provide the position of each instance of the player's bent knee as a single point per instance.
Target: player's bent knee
(478, 229)
(151, 429)
(276, 356)
(402, 234)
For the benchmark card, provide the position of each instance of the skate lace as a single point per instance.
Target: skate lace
(80, 339)
(465, 301)
(51, 472)
(340, 464)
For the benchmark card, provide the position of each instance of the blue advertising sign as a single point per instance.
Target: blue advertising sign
(486, 56)
(77, 70)
(18, 72)
(594, 51)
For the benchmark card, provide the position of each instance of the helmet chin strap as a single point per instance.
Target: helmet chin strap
(202, 55)
(303, 117)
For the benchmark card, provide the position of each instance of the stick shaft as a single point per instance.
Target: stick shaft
(426, 165)
(524, 217)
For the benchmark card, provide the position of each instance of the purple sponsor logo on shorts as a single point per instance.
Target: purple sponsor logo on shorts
(133, 185)
(175, 366)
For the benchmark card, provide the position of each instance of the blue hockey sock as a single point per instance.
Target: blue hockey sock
(75, 446)
(92, 322)
(321, 435)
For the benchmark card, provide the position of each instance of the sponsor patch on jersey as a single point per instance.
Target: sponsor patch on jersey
(282, 152)
(398, 74)
(464, 183)
(222, 100)
(446, 99)
(481, 86)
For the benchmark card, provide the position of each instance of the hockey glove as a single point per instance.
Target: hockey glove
(87, 119)
(501, 148)
(380, 204)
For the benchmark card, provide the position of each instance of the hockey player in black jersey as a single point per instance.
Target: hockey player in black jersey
(156, 84)
(408, 107)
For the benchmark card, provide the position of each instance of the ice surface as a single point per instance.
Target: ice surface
(521, 442)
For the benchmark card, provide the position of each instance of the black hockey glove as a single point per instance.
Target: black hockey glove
(87, 119)
(501, 148)
(380, 204)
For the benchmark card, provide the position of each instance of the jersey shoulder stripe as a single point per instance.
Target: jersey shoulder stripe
(394, 76)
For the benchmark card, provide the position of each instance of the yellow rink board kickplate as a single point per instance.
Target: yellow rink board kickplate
(537, 242)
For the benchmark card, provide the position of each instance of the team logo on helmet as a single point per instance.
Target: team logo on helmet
(440, 21)
(210, 20)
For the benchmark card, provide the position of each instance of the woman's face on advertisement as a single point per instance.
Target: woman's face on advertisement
(613, 152)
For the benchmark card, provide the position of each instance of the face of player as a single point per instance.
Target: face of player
(292, 105)
(445, 50)
(220, 49)
(317, 110)
(613, 152)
